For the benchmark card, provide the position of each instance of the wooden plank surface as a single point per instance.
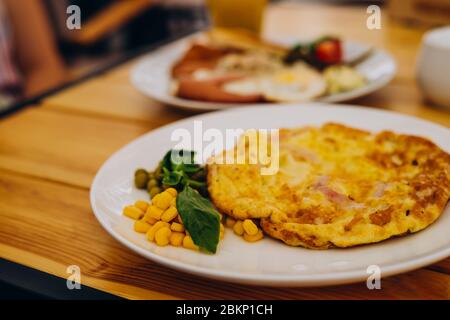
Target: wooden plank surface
(49, 155)
(62, 147)
(50, 226)
(100, 97)
(82, 145)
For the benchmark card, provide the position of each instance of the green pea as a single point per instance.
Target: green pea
(140, 171)
(151, 183)
(140, 180)
(154, 191)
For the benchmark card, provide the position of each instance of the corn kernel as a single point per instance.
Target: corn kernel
(188, 243)
(177, 227)
(221, 235)
(173, 202)
(179, 219)
(229, 222)
(151, 232)
(141, 226)
(169, 214)
(147, 218)
(253, 238)
(172, 191)
(162, 200)
(176, 238)
(162, 236)
(222, 231)
(250, 227)
(154, 212)
(141, 204)
(133, 212)
(238, 228)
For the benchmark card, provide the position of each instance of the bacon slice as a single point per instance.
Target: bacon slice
(199, 57)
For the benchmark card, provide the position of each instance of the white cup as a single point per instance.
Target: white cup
(433, 66)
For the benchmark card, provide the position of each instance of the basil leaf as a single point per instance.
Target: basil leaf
(200, 218)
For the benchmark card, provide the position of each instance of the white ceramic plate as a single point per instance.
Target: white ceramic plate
(151, 75)
(268, 262)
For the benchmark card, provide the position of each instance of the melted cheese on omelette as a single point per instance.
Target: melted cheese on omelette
(337, 187)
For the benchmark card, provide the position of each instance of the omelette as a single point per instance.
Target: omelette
(337, 186)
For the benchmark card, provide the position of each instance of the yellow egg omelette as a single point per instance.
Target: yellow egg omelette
(338, 186)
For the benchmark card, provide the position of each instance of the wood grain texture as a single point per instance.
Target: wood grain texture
(62, 146)
(100, 97)
(49, 226)
(442, 266)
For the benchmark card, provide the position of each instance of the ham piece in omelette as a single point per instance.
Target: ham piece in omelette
(338, 187)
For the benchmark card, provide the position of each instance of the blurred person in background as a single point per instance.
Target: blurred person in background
(39, 52)
(111, 27)
(29, 60)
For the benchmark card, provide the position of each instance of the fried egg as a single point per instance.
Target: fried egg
(286, 84)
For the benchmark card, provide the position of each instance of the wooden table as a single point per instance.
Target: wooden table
(49, 154)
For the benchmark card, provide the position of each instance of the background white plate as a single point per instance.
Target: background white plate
(268, 262)
(151, 75)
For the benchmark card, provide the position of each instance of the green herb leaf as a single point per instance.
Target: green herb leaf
(171, 178)
(190, 168)
(200, 218)
(179, 169)
(180, 160)
(166, 162)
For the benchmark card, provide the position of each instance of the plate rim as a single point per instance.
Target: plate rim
(195, 105)
(291, 280)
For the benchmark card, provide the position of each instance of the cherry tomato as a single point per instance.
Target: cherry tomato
(329, 52)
